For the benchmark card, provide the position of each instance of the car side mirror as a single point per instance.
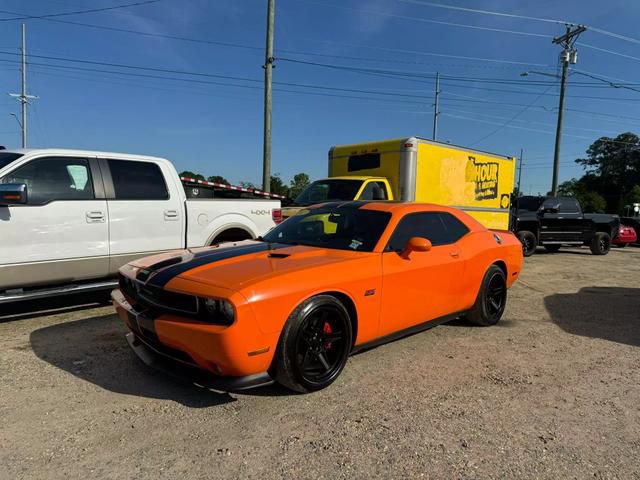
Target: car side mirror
(415, 244)
(13, 194)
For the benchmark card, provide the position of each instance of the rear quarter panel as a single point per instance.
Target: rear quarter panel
(480, 250)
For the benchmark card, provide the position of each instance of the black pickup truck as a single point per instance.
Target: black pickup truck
(556, 221)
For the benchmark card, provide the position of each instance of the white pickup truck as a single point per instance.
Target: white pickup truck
(70, 218)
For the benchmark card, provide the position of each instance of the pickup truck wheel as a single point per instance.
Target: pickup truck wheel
(553, 248)
(491, 299)
(529, 242)
(600, 243)
(314, 345)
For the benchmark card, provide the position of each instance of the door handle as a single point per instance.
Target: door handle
(95, 217)
(170, 215)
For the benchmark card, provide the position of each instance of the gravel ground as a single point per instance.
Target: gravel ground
(552, 391)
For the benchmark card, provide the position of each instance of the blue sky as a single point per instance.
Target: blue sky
(217, 128)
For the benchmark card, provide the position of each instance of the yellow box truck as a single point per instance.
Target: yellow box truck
(421, 170)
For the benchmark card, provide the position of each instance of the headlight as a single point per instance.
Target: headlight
(217, 311)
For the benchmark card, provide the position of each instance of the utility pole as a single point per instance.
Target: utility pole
(435, 108)
(520, 171)
(569, 55)
(23, 97)
(268, 71)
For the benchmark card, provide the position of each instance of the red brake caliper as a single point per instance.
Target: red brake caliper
(326, 329)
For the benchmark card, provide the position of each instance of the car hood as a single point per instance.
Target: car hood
(236, 265)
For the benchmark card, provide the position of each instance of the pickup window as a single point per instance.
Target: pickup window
(7, 158)
(54, 178)
(374, 191)
(329, 190)
(569, 205)
(137, 180)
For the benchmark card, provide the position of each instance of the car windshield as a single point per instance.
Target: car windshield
(531, 204)
(329, 190)
(342, 228)
(7, 158)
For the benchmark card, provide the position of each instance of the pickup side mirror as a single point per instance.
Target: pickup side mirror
(415, 244)
(13, 194)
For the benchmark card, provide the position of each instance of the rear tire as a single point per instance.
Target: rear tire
(553, 248)
(491, 300)
(529, 242)
(600, 243)
(314, 345)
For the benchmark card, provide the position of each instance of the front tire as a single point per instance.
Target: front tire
(314, 345)
(600, 243)
(529, 242)
(491, 300)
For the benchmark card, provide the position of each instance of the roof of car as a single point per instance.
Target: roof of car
(402, 208)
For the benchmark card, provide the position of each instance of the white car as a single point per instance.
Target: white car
(70, 218)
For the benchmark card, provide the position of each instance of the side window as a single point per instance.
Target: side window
(569, 205)
(455, 228)
(54, 178)
(374, 191)
(137, 180)
(439, 227)
(365, 161)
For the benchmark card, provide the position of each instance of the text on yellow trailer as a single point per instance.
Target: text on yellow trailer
(422, 170)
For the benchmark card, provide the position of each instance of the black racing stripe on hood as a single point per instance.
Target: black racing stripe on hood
(161, 278)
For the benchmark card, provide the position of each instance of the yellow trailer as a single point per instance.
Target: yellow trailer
(421, 170)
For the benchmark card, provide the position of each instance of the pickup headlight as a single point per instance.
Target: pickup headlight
(218, 311)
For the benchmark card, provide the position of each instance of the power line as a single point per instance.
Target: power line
(586, 45)
(76, 12)
(506, 124)
(484, 12)
(523, 17)
(425, 20)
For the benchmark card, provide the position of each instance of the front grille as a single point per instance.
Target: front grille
(157, 299)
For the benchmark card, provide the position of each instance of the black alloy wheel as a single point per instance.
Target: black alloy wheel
(491, 300)
(496, 294)
(314, 345)
(529, 242)
(321, 345)
(600, 243)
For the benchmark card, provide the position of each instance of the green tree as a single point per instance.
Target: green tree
(592, 202)
(298, 184)
(633, 196)
(569, 188)
(278, 186)
(613, 168)
(246, 184)
(218, 179)
(190, 174)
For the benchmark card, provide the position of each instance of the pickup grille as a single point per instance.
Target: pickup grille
(157, 299)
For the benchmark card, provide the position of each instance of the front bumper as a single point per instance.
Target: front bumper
(191, 374)
(200, 354)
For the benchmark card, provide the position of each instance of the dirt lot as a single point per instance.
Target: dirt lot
(553, 391)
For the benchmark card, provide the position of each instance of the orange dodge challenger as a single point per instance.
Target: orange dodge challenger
(333, 279)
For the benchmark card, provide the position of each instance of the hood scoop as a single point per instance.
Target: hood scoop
(278, 255)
